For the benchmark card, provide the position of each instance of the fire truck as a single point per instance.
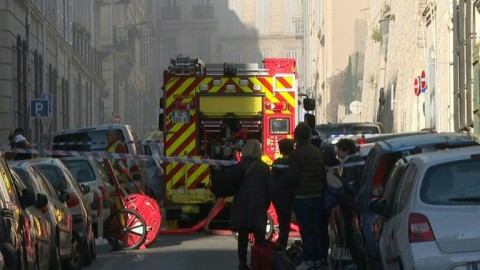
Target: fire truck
(202, 107)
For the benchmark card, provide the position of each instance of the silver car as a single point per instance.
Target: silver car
(432, 216)
(90, 172)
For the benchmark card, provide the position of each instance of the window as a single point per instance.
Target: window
(291, 53)
(453, 183)
(203, 3)
(170, 3)
(170, 47)
(290, 15)
(279, 126)
(262, 55)
(203, 47)
(403, 193)
(234, 57)
(263, 16)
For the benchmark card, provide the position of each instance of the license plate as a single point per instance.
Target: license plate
(180, 116)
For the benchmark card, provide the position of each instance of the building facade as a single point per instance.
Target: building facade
(338, 32)
(233, 31)
(434, 38)
(47, 69)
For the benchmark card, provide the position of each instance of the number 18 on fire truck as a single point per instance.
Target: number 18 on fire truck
(209, 110)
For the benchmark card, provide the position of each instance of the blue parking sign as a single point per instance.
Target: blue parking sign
(39, 108)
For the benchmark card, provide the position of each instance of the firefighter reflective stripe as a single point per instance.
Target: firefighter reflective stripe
(121, 176)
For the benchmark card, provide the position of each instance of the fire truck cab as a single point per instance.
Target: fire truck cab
(210, 110)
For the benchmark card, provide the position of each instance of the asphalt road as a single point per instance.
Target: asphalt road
(170, 252)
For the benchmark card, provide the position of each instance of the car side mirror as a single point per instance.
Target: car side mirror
(64, 196)
(379, 206)
(85, 189)
(41, 201)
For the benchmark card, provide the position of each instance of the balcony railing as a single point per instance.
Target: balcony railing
(170, 13)
(203, 12)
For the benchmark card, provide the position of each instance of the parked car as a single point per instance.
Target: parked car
(93, 139)
(62, 180)
(431, 212)
(17, 243)
(37, 224)
(378, 165)
(327, 131)
(88, 171)
(155, 187)
(57, 213)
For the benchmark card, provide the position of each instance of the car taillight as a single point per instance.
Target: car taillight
(104, 192)
(419, 229)
(74, 200)
(379, 176)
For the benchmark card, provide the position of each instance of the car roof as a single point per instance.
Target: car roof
(350, 124)
(90, 128)
(447, 155)
(409, 142)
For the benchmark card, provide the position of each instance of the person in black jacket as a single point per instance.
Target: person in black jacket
(283, 191)
(346, 150)
(249, 209)
(307, 172)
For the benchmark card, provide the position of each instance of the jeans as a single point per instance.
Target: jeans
(313, 223)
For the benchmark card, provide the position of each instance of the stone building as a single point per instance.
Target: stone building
(126, 32)
(436, 38)
(49, 74)
(336, 40)
(234, 31)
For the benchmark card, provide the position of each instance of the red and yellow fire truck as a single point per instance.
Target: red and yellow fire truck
(205, 105)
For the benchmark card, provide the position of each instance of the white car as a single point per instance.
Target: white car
(90, 172)
(432, 212)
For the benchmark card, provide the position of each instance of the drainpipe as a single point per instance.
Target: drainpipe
(461, 70)
(468, 61)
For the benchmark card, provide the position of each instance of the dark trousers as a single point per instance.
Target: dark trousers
(242, 247)
(283, 208)
(313, 223)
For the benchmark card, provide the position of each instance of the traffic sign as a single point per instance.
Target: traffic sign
(423, 81)
(416, 88)
(39, 108)
(355, 107)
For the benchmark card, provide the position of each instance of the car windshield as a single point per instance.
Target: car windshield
(54, 176)
(81, 170)
(452, 184)
(91, 140)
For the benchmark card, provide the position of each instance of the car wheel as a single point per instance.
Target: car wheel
(85, 254)
(74, 263)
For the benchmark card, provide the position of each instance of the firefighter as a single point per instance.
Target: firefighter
(119, 165)
(17, 140)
